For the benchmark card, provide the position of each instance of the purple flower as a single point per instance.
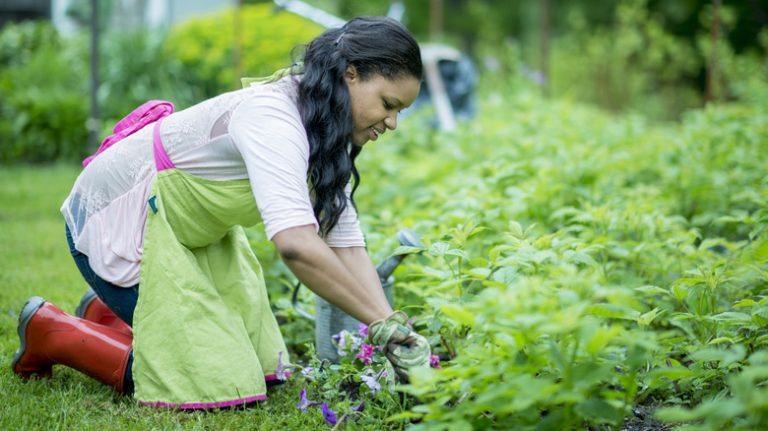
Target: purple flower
(371, 380)
(366, 351)
(307, 371)
(434, 361)
(362, 329)
(359, 407)
(372, 383)
(328, 414)
(304, 402)
(340, 340)
(346, 342)
(356, 342)
(280, 374)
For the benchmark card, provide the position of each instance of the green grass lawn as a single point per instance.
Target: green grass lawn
(35, 260)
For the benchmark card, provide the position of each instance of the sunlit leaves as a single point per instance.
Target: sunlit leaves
(577, 264)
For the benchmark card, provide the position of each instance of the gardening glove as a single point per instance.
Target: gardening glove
(404, 348)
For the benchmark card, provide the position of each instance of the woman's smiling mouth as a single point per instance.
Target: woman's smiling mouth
(375, 133)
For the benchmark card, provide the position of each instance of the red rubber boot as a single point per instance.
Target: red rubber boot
(50, 336)
(94, 309)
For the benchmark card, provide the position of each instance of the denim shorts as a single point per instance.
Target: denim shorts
(121, 300)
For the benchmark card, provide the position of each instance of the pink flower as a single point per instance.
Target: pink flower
(366, 351)
(434, 361)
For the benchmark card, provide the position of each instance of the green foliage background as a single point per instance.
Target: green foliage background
(639, 56)
(41, 95)
(581, 263)
(647, 56)
(43, 89)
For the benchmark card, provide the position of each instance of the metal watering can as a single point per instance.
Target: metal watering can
(330, 320)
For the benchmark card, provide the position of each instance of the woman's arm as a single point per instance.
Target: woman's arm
(345, 277)
(357, 262)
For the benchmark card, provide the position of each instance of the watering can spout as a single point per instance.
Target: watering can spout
(406, 237)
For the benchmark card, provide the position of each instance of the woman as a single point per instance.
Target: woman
(162, 207)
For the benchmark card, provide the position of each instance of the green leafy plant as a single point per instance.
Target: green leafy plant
(581, 264)
(41, 97)
(209, 55)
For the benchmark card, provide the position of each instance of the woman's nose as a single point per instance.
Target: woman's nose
(391, 122)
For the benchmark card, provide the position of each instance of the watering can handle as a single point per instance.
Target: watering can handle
(385, 269)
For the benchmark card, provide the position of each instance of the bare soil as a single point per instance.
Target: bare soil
(643, 420)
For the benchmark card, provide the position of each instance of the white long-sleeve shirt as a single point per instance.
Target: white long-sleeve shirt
(254, 133)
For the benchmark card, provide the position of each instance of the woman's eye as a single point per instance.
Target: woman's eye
(387, 106)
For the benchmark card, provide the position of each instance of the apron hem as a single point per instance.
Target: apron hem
(199, 406)
(270, 377)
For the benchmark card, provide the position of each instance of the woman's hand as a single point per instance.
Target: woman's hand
(403, 347)
(346, 278)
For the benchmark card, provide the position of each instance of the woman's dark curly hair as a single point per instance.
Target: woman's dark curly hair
(374, 46)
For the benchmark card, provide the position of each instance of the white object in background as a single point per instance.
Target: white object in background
(311, 13)
(431, 55)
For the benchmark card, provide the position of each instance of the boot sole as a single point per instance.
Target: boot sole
(85, 301)
(30, 308)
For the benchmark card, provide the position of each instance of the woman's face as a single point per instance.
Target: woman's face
(376, 102)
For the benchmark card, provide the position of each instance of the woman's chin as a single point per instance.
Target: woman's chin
(359, 141)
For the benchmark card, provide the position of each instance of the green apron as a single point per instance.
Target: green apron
(204, 332)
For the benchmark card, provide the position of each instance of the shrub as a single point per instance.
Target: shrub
(41, 97)
(205, 45)
(135, 67)
(20, 41)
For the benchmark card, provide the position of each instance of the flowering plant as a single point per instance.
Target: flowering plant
(366, 363)
(360, 376)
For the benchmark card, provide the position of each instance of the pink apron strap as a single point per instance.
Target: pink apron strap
(145, 114)
(162, 161)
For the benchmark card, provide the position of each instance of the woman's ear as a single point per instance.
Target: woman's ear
(351, 74)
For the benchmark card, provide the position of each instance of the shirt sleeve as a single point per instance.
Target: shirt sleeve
(347, 232)
(267, 131)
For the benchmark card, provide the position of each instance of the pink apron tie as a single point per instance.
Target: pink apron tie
(162, 161)
(150, 112)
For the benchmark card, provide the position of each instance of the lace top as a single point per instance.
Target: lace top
(254, 133)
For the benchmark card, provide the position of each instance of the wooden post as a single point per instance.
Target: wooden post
(436, 8)
(711, 94)
(237, 57)
(93, 123)
(544, 45)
